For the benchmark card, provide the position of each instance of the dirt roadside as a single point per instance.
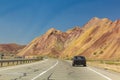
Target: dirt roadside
(112, 67)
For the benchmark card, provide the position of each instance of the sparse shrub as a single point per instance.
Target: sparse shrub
(94, 53)
(40, 57)
(100, 52)
(101, 61)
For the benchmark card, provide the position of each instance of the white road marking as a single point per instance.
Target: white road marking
(100, 74)
(44, 71)
(18, 66)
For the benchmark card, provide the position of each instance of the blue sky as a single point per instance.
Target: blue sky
(23, 20)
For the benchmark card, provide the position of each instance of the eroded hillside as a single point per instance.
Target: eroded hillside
(99, 38)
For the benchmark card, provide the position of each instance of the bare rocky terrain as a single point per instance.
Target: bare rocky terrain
(97, 39)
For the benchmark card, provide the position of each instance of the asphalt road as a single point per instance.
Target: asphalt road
(51, 69)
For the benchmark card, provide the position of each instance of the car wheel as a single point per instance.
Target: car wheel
(73, 64)
(84, 65)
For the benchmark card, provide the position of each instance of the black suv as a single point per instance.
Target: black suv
(79, 60)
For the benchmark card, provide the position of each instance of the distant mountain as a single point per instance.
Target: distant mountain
(10, 48)
(98, 39)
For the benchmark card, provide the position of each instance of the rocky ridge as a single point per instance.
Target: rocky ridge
(98, 39)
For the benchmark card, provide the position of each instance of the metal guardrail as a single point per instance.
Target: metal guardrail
(6, 62)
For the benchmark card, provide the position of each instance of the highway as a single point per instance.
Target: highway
(52, 69)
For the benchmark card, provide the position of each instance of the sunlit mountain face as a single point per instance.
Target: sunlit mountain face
(98, 39)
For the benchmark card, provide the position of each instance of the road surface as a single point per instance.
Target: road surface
(52, 69)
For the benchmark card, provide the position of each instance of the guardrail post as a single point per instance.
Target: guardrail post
(1, 64)
(8, 63)
(16, 62)
(13, 63)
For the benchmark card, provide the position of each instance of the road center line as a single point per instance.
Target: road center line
(44, 71)
(100, 74)
(18, 66)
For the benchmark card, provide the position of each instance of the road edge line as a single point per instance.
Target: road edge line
(100, 74)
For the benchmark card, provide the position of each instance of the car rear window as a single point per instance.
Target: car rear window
(79, 57)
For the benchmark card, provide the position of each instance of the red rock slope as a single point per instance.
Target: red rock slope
(98, 38)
